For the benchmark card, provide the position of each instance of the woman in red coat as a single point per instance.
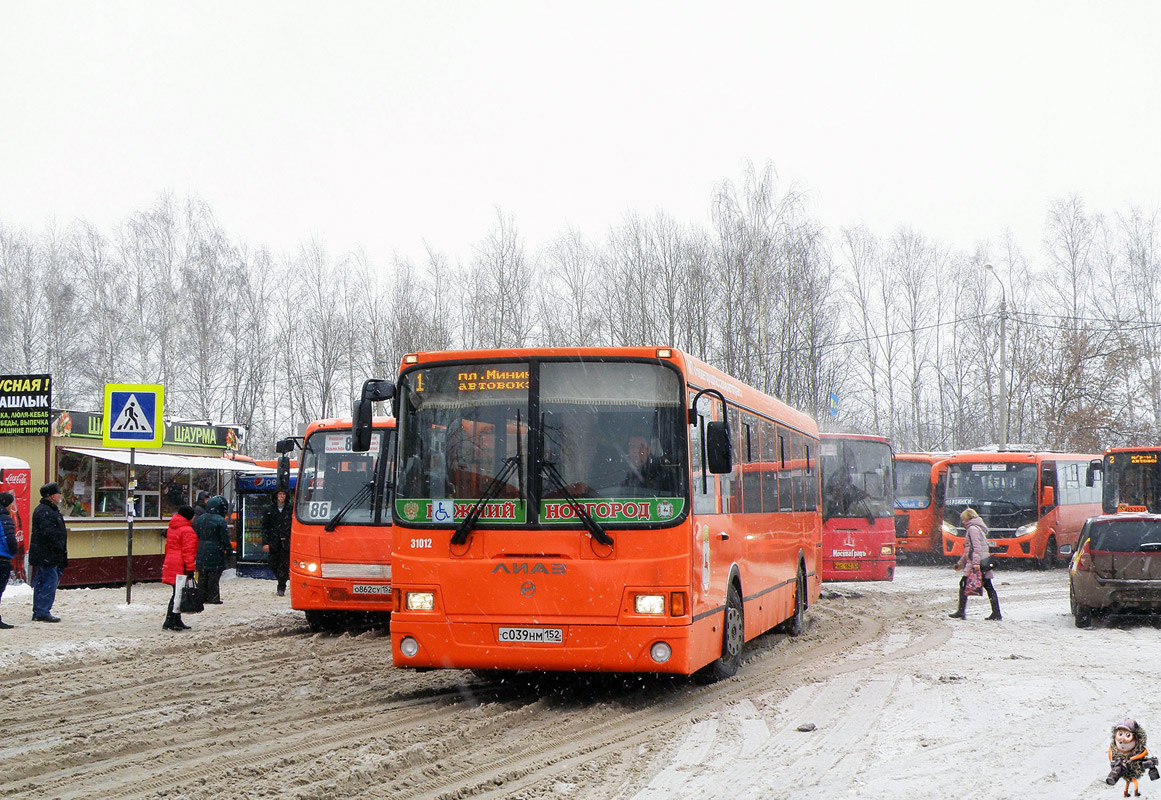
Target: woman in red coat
(181, 551)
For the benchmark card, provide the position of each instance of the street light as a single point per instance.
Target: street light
(1003, 359)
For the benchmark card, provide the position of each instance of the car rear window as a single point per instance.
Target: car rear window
(1127, 536)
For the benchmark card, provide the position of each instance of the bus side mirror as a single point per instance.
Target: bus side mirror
(717, 448)
(1047, 496)
(1094, 467)
(374, 390)
(284, 447)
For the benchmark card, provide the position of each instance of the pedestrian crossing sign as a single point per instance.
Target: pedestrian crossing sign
(133, 415)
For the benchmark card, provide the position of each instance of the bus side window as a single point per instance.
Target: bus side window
(798, 471)
(751, 478)
(811, 481)
(768, 452)
(785, 482)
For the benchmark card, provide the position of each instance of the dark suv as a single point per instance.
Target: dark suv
(1116, 566)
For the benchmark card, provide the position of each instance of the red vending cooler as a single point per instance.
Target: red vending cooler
(15, 477)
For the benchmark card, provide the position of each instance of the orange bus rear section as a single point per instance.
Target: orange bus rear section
(920, 479)
(530, 588)
(1034, 503)
(347, 569)
(858, 508)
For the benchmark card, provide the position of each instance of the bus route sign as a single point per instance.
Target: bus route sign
(133, 415)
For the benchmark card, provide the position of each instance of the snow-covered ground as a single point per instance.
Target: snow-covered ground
(903, 701)
(1021, 708)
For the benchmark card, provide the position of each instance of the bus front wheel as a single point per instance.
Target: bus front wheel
(1049, 559)
(733, 641)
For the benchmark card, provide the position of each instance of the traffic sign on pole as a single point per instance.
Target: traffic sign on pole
(133, 415)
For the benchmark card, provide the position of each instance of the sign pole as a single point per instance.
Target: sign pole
(131, 511)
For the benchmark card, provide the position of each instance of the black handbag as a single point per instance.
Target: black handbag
(191, 598)
(987, 562)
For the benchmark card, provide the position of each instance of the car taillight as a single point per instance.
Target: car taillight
(1084, 559)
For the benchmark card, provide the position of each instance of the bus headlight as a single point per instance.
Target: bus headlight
(420, 601)
(409, 647)
(1026, 530)
(649, 603)
(660, 652)
(311, 567)
(949, 529)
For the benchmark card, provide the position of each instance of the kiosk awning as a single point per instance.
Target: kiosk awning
(148, 458)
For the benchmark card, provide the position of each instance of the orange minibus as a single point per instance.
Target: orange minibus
(340, 536)
(1034, 503)
(626, 509)
(920, 479)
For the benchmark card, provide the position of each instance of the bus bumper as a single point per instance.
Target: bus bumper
(585, 647)
(867, 569)
(328, 594)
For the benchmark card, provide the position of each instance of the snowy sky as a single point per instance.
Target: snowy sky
(384, 124)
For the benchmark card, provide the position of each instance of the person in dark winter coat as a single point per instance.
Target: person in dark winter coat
(181, 552)
(200, 503)
(213, 547)
(975, 549)
(1127, 754)
(276, 538)
(48, 552)
(8, 545)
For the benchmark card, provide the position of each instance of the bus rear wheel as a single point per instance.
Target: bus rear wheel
(733, 641)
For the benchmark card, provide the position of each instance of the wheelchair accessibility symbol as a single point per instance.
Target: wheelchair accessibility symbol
(442, 510)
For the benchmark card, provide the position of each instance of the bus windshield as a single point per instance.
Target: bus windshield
(1132, 482)
(1003, 494)
(608, 430)
(912, 484)
(856, 479)
(333, 477)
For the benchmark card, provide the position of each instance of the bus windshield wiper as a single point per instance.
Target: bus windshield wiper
(594, 528)
(499, 481)
(359, 497)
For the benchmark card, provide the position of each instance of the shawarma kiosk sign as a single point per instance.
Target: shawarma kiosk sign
(25, 405)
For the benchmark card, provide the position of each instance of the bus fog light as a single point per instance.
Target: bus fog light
(409, 647)
(886, 550)
(420, 601)
(649, 604)
(660, 652)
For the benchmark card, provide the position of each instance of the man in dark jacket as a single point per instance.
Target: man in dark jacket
(8, 546)
(48, 552)
(213, 547)
(276, 538)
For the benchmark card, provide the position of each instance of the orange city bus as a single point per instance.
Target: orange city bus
(340, 537)
(919, 486)
(1034, 503)
(858, 508)
(596, 509)
(1131, 479)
